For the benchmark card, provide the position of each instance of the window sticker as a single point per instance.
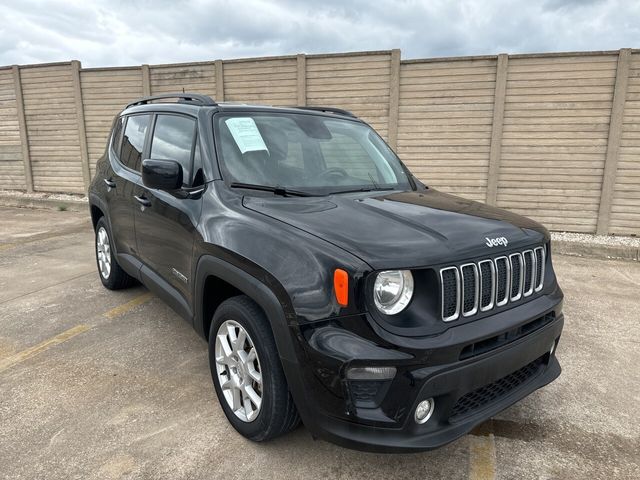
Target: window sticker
(246, 134)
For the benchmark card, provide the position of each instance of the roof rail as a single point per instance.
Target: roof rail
(203, 100)
(338, 111)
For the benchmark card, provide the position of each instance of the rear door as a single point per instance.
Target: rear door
(126, 149)
(165, 222)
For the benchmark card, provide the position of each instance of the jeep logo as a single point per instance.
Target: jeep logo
(494, 242)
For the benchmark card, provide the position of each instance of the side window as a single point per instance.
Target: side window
(133, 141)
(116, 138)
(173, 139)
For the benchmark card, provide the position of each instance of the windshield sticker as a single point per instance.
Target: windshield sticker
(246, 134)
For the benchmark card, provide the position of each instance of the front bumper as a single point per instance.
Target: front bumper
(466, 390)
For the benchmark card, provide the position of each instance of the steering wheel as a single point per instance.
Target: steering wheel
(334, 170)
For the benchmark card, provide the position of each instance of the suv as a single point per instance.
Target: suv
(331, 285)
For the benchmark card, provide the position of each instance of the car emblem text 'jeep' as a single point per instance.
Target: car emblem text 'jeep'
(493, 242)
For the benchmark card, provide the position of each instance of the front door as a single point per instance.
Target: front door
(166, 221)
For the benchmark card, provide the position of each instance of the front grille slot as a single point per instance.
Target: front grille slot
(529, 272)
(482, 397)
(487, 284)
(516, 276)
(540, 264)
(481, 286)
(469, 289)
(503, 272)
(450, 286)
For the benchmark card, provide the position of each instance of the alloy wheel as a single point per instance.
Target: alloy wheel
(238, 370)
(103, 250)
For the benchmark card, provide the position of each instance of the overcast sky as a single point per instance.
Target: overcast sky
(132, 32)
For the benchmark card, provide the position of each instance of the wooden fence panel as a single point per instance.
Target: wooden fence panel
(52, 128)
(625, 209)
(358, 83)
(105, 92)
(547, 147)
(556, 123)
(262, 81)
(194, 77)
(12, 175)
(444, 129)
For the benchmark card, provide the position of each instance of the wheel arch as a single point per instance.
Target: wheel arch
(98, 209)
(275, 303)
(216, 272)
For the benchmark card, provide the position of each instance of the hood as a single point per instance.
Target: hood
(405, 229)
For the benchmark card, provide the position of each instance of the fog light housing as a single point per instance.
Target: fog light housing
(424, 410)
(371, 373)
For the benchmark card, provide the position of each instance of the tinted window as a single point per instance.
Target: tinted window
(133, 142)
(116, 139)
(173, 140)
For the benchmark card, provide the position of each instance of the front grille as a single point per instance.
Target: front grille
(489, 283)
(483, 396)
(491, 343)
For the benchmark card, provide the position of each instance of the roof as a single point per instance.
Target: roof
(192, 102)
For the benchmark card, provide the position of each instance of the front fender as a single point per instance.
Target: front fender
(273, 301)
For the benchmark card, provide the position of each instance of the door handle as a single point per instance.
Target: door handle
(142, 201)
(109, 183)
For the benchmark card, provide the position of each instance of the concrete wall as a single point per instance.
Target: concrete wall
(552, 136)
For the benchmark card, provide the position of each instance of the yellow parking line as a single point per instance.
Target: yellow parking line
(125, 307)
(482, 457)
(42, 346)
(6, 246)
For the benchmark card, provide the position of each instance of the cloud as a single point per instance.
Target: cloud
(138, 31)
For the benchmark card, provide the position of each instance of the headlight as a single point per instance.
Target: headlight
(392, 291)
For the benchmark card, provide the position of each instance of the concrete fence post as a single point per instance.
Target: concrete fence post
(613, 142)
(394, 99)
(302, 79)
(219, 81)
(82, 132)
(146, 81)
(495, 150)
(22, 125)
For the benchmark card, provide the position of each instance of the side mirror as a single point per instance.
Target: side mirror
(162, 174)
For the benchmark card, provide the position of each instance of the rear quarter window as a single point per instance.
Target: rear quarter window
(135, 132)
(116, 138)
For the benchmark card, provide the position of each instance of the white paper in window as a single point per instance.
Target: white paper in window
(246, 134)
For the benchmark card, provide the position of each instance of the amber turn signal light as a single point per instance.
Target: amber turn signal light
(341, 286)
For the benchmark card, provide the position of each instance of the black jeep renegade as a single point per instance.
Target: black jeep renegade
(332, 286)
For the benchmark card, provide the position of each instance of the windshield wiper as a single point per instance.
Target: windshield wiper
(282, 191)
(363, 189)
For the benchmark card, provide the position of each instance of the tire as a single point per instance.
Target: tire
(277, 413)
(111, 274)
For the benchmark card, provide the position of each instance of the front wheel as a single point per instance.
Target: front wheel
(111, 274)
(247, 373)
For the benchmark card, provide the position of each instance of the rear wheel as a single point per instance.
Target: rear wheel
(247, 373)
(111, 274)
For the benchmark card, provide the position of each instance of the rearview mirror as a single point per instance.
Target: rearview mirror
(162, 174)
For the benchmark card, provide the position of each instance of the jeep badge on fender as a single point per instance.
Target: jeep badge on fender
(331, 285)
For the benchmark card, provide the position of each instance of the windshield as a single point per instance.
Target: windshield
(305, 152)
